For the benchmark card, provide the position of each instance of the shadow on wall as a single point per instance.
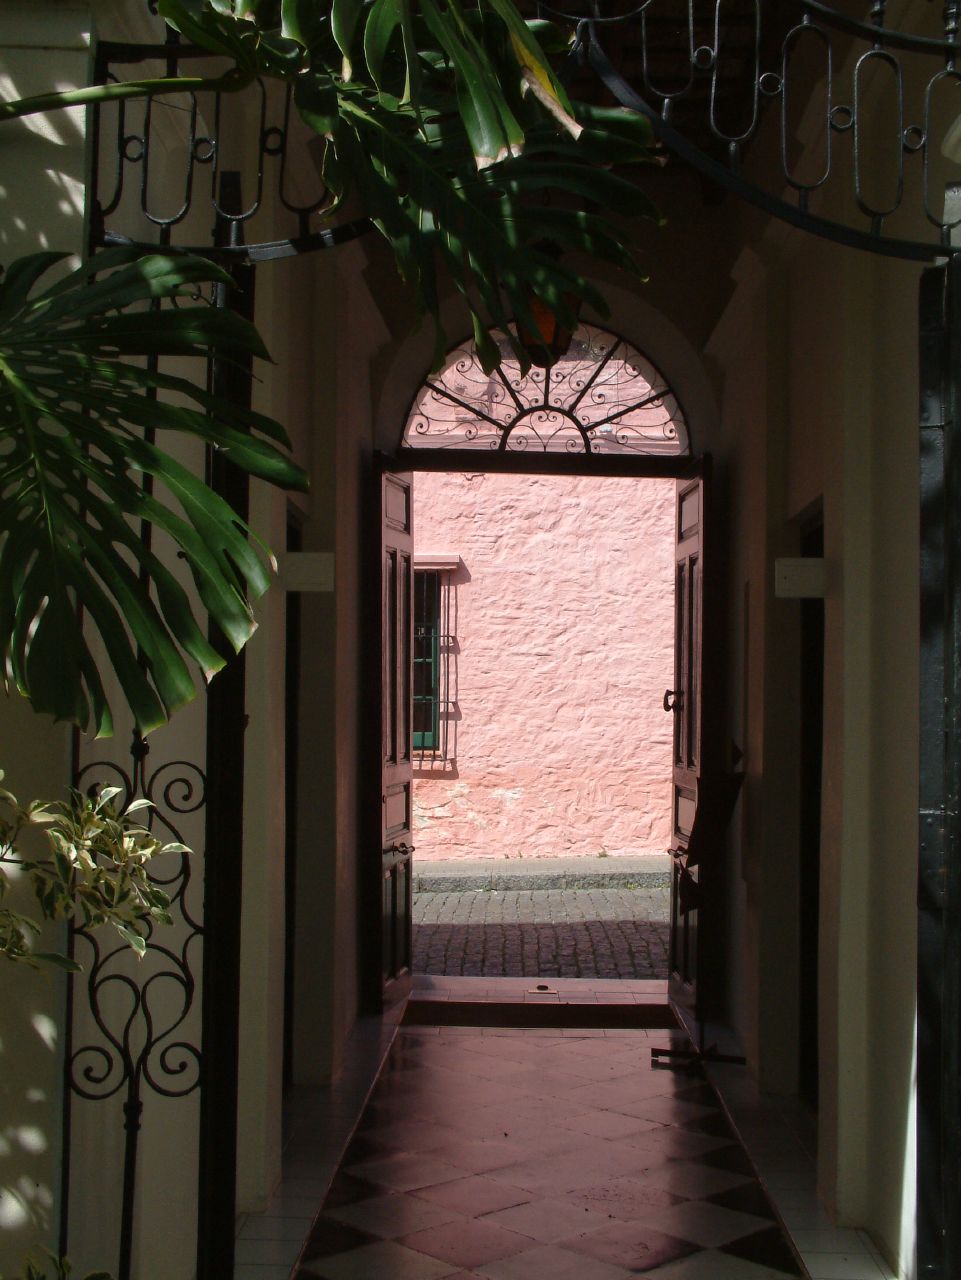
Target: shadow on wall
(29, 1069)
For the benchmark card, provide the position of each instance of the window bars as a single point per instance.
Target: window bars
(434, 644)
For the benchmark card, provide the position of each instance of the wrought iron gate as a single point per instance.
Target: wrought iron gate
(152, 1052)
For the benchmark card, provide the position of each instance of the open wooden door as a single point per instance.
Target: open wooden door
(397, 579)
(938, 1150)
(705, 789)
(684, 703)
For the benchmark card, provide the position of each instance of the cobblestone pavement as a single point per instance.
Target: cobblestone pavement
(540, 933)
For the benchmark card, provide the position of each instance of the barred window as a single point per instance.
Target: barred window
(433, 643)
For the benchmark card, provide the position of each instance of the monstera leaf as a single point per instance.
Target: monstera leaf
(83, 472)
(450, 123)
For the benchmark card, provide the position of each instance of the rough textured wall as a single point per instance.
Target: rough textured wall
(563, 613)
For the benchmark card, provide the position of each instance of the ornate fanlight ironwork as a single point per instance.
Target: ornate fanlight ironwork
(602, 397)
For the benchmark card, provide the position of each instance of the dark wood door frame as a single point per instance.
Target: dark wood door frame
(385, 824)
(440, 460)
(939, 870)
(683, 702)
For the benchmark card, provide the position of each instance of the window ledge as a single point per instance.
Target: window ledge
(439, 561)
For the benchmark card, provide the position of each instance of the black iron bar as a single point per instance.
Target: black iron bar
(223, 885)
(891, 36)
(565, 464)
(521, 407)
(853, 237)
(132, 1113)
(601, 366)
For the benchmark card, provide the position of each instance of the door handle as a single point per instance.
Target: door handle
(402, 848)
(673, 699)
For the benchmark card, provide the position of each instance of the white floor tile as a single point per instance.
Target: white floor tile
(262, 1226)
(842, 1266)
(711, 1265)
(828, 1240)
(549, 1262)
(254, 1272)
(272, 1252)
(384, 1261)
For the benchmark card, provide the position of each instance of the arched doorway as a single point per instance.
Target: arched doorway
(604, 409)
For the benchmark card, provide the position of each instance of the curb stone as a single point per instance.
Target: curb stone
(475, 875)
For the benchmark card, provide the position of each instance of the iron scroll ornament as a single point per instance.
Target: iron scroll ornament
(602, 397)
(709, 74)
(140, 1046)
(192, 137)
(732, 63)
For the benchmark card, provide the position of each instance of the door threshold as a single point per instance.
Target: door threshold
(539, 1002)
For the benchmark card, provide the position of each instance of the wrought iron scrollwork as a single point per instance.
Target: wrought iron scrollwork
(708, 73)
(198, 135)
(602, 397)
(881, 100)
(139, 1008)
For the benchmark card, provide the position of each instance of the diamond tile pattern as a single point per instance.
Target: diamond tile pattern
(462, 1166)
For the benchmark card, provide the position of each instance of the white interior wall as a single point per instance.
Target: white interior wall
(41, 204)
(837, 411)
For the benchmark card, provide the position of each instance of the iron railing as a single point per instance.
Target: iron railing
(856, 111)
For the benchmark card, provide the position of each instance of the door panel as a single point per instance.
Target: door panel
(705, 788)
(685, 708)
(397, 573)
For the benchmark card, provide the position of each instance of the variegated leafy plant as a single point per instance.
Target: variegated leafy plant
(94, 870)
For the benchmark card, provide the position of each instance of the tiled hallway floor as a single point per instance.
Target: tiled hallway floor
(543, 1155)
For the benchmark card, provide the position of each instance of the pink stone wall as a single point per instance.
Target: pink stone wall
(563, 616)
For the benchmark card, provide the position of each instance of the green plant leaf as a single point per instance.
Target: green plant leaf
(417, 100)
(344, 17)
(491, 126)
(485, 226)
(57, 960)
(76, 433)
(99, 871)
(537, 71)
(229, 34)
(316, 99)
(136, 941)
(382, 25)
